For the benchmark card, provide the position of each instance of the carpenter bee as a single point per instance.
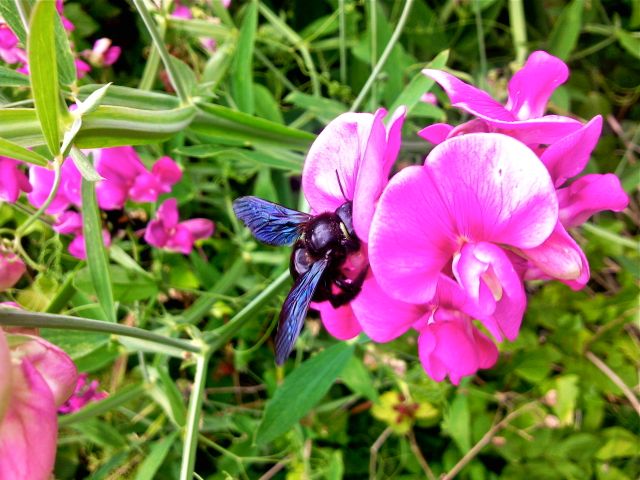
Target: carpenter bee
(321, 245)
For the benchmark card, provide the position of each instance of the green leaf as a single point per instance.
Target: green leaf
(130, 97)
(242, 68)
(225, 123)
(153, 461)
(93, 101)
(620, 443)
(302, 390)
(110, 126)
(457, 422)
(167, 395)
(420, 84)
(13, 150)
(64, 57)
(41, 51)
(566, 31)
(217, 66)
(567, 393)
(127, 285)
(84, 165)
(101, 433)
(630, 43)
(11, 78)
(96, 255)
(325, 109)
(356, 376)
(185, 75)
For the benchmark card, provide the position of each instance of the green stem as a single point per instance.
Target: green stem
(20, 318)
(193, 416)
(219, 338)
(374, 50)
(164, 54)
(518, 30)
(24, 17)
(153, 62)
(612, 237)
(385, 55)
(57, 167)
(481, 47)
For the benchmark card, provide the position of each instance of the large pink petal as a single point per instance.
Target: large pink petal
(340, 322)
(567, 157)
(334, 159)
(561, 258)
(167, 171)
(544, 130)
(436, 133)
(412, 236)
(53, 364)
(9, 183)
(155, 234)
(180, 240)
(123, 162)
(394, 137)
(112, 194)
(382, 317)
(41, 180)
(29, 429)
(452, 346)
(490, 185)
(71, 181)
(532, 86)
(588, 195)
(371, 175)
(469, 98)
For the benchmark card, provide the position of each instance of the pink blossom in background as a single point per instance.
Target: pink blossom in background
(41, 180)
(429, 98)
(167, 232)
(36, 377)
(352, 157)
(70, 223)
(68, 26)
(85, 392)
(12, 180)
(523, 115)
(476, 197)
(182, 11)
(103, 53)
(126, 177)
(82, 68)
(11, 269)
(9, 50)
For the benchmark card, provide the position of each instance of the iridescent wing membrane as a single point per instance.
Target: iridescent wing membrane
(295, 309)
(269, 222)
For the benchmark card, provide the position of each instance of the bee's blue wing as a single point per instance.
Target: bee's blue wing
(295, 309)
(269, 222)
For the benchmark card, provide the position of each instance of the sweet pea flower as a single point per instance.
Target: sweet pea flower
(41, 180)
(66, 23)
(125, 176)
(85, 392)
(351, 160)
(12, 180)
(70, 223)
(476, 197)
(102, 54)
(9, 50)
(11, 269)
(36, 377)
(166, 231)
(523, 115)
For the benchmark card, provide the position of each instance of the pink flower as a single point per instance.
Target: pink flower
(523, 115)
(167, 232)
(125, 176)
(11, 269)
(476, 197)
(12, 180)
(35, 378)
(102, 54)
(68, 26)
(85, 392)
(41, 180)
(82, 67)
(351, 160)
(70, 223)
(9, 50)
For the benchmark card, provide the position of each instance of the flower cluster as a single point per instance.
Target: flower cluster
(126, 179)
(103, 54)
(450, 243)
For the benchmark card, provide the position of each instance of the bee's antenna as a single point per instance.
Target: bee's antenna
(340, 185)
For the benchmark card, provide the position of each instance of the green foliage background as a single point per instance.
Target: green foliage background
(240, 123)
